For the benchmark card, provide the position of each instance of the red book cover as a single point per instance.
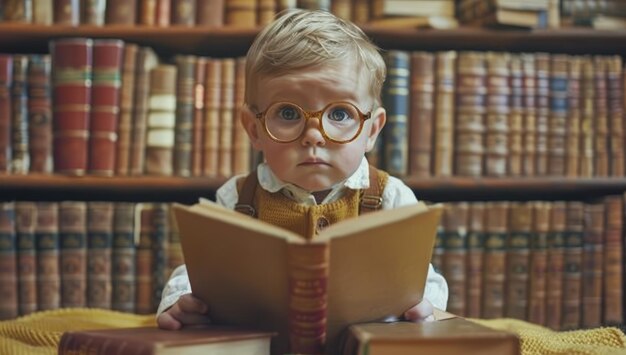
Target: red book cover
(39, 114)
(105, 105)
(6, 74)
(71, 92)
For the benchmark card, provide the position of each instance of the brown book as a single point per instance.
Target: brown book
(475, 251)
(163, 13)
(25, 223)
(105, 105)
(555, 266)
(361, 11)
(99, 240)
(529, 115)
(20, 157)
(497, 110)
(144, 260)
(212, 104)
(43, 11)
(421, 111)
(18, 11)
(159, 236)
(266, 11)
(454, 269)
(125, 122)
(342, 8)
(6, 78)
(67, 12)
(542, 84)
(8, 262)
(210, 12)
(241, 143)
(557, 120)
(612, 289)
(587, 118)
(39, 114)
(147, 10)
(516, 116)
(92, 12)
(183, 12)
(185, 111)
(307, 290)
(121, 12)
(449, 336)
(573, 261)
(73, 253)
(593, 264)
(123, 257)
(572, 131)
(226, 125)
(600, 116)
(47, 250)
(175, 252)
(205, 340)
(443, 148)
(161, 121)
(538, 263)
(518, 260)
(494, 259)
(616, 112)
(240, 13)
(197, 139)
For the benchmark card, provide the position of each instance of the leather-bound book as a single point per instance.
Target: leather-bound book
(587, 123)
(542, 82)
(266, 11)
(557, 125)
(147, 10)
(475, 252)
(125, 122)
(43, 12)
(6, 79)
(573, 262)
(612, 287)
(18, 11)
(121, 12)
(160, 237)
(494, 259)
(39, 114)
(538, 263)
(529, 114)
(516, 117)
(615, 90)
(175, 251)
(518, 259)
(282, 5)
(600, 116)
(212, 105)
(20, 160)
(71, 95)
(197, 140)
(422, 105)
(469, 128)
(123, 257)
(92, 11)
(395, 97)
(342, 8)
(144, 260)
(497, 114)
(572, 130)
(100, 238)
(455, 219)
(555, 266)
(241, 142)
(8, 262)
(47, 250)
(105, 105)
(146, 61)
(161, 121)
(436, 260)
(226, 125)
(25, 223)
(593, 264)
(445, 85)
(314, 4)
(163, 13)
(240, 13)
(183, 12)
(184, 128)
(73, 253)
(360, 11)
(211, 12)
(67, 12)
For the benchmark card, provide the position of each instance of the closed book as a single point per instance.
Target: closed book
(43, 11)
(240, 13)
(20, 158)
(197, 139)
(25, 223)
(8, 262)
(448, 336)
(125, 122)
(147, 12)
(211, 124)
(154, 341)
(105, 105)
(99, 241)
(615, 102)
(210, 12)
(556, 243)
(557, 121)
(226, 119)
(454, 267)
(475, 252)
(395, 96)
(71, 93)
(444, 145)
(529, 113)
(241, 143)
(307, 290)
(144, 260)
(67, 12)
(18, 11)
(266, 11)
(593, 264)
(573, 262)
(518, 260)
(163, 12)
(538, 263)
(39, 114)
(418, 8)
(185, 112)
(494, 267)
(515, 116)
(160, 131)
(6, 78)
(600, 116)
(587, 122)
(422, 90)
(160, 237)
(183, 12)
(47, 250)
(542, 105)
(121, 12)
(123, 257)
(175, 252)
(497, 111)
(573, 120)
(73, 253)
(612, 290)
(92, 12)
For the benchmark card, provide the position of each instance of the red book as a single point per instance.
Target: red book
(39, 114)
(71, 83)
(105, 105)
(6, 74)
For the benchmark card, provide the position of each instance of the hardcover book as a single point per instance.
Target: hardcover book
(256, 275)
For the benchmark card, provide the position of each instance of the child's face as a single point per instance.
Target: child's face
(310, 161)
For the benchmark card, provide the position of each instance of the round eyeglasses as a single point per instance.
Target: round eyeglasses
(340, 122)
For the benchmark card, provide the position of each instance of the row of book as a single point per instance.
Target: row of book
(558, 264)
(497, 114)
(85, 254)
(106, 107)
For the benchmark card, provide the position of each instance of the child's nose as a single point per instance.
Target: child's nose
(312, 133)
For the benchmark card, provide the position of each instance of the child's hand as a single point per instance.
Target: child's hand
(421, 312)
(189, 310)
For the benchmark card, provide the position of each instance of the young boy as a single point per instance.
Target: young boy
(313, 84)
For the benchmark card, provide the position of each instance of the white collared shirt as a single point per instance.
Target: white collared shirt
(395, 194)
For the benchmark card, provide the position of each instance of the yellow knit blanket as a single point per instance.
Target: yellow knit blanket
(39, 333)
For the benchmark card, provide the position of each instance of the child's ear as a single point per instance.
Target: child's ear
(379, 117)
(249, 122)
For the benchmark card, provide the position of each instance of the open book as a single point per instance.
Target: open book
(256, 275)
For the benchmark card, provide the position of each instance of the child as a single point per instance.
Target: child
(313, 84)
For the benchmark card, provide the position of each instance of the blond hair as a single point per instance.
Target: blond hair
(300, 39)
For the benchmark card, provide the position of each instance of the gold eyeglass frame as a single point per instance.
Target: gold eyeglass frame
(317, 114)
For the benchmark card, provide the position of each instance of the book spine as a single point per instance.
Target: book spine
(515, 117)
(71, 85)
(342, 8)
(555, 266)
(25, 223)
(240, 13)
(573, 260)
(39, 114)
(600, 127)
(20, 162)
(198, 117)
(226, 119)
(360, 11)
(184, 127)
(6, 78)
(557, 124)
(105, 106)
(421, 111)
(8, 265)
(125, 124)
(183, 12)
(175, 252)
(147, 12)
(593, 265)
(613, 262)
(67, 12)
(144, 261)
(160, 245)
(573, 132)
(43, 12)
(241, 143)
(471, 92)
(587, 118)
(18, 11)
(212, 99)
(542, 82)
(266, 10)
(517, 263)
(497, 114)
(210, 12)
(436, 259)
(161, 121)
(455, 255)
(494, 267)
(47, 245)
(538, 263)
(123, 257)
(529, 113)
(92, 12)
(100, 237)
(445, 87)
(163, 13)
(121, 12)
(396, 101)
(616, 113)
(74, 342)
(308, 276)
(475, 252)
(73, 253)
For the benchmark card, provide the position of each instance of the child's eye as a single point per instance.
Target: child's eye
(339, 115)
(289, 113)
